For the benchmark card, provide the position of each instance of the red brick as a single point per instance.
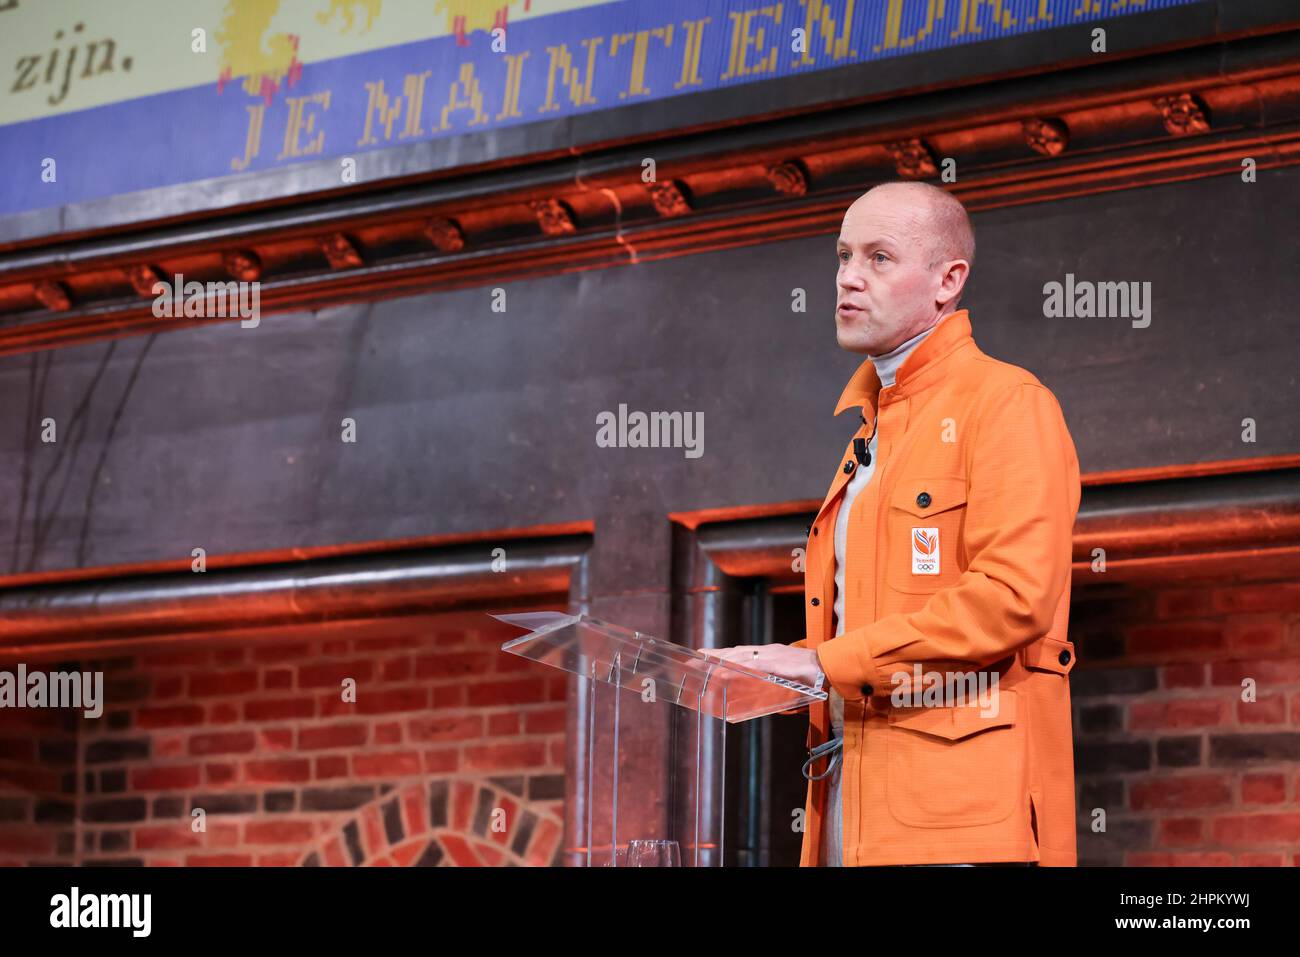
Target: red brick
(459, 851)
(218, 774)
(336, 648)
(168, 745)
(1270, 709)
(394, 643)
(280, 859)
(181, 658)
(519, 691)
(270, 654)
(549, 721)
(377, 702)
(228, 656)
(1266, 829)
(333, 674)
(219, 860)
(448, 696)
(276, 739)
(502, 725)
(289, 770)
(1178, 831)
(1196, 859)
(1257, 598)
(1260, 859)
(1263, 789)
(223, 713)
(1266, 671)
(279, 709)
(1176, 713)
(1255, 634)
(415, 808)
(277, 832)
(26, 842)
(396, 669)
(1183, 603)
(445, 727)
(385, 764)
(443, 761)
(453, 664)
(222, 683)
(331, 766)
(169, 687)
(333, 736)
(169, 717)
(1175, 638)
(389, 733)
(1179, 792)
(278, 679)
(1182, 676)
(495, 757)
(223, 742)
(165, 778)
(166, 838)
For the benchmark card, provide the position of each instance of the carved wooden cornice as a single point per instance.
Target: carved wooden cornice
(585, 214)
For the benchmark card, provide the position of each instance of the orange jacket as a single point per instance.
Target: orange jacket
(975, 469)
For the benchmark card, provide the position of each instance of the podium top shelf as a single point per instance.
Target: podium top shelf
(603, 651)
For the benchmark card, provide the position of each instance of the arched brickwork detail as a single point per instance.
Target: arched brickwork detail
(443, 823)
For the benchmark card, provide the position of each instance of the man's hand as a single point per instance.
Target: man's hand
(796, 664)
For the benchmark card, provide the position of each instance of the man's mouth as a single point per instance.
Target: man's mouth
(849, 309)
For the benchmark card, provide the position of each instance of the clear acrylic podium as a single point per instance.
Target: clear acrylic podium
(651, 728)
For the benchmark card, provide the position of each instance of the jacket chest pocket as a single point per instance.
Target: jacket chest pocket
(924, 525)
(955, 767)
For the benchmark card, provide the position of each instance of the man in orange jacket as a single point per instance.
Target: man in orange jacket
(937, 580)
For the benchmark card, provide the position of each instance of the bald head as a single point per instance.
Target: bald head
(942, 224)
(905, 251)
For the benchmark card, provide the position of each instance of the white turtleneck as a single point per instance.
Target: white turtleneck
(887, 367)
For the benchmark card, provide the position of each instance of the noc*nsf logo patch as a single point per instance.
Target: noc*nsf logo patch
(925, 551)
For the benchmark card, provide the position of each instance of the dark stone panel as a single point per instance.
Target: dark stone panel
(1113, 681)
(1183, 752)
(229, 438)
(1105, 757)
(114, 810)
(336, 799)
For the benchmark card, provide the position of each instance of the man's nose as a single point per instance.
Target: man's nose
(850, 278)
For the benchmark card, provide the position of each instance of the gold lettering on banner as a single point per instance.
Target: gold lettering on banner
(300, 122)
(640, 53)
(691, 59)
(514, 81)
(743, 39)
(818, 18)
(253, 141)
(561, 60)
(471, 100)
(387, 109)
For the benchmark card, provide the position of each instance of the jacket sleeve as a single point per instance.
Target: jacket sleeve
(1022, 498)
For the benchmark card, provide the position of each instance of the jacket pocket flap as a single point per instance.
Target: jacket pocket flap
(937, 494)
(1050, 654)
(958, 722)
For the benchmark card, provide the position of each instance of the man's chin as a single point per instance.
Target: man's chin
(852, 342)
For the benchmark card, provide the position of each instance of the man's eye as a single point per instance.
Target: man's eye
(842, 256)
(880, 258)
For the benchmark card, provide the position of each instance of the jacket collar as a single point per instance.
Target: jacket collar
(951, 333)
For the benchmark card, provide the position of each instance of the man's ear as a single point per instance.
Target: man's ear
(955, 274)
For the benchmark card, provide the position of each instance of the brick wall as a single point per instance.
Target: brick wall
(1186, 771)
(451, 753)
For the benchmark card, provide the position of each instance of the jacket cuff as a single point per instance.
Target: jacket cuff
(849, 668)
